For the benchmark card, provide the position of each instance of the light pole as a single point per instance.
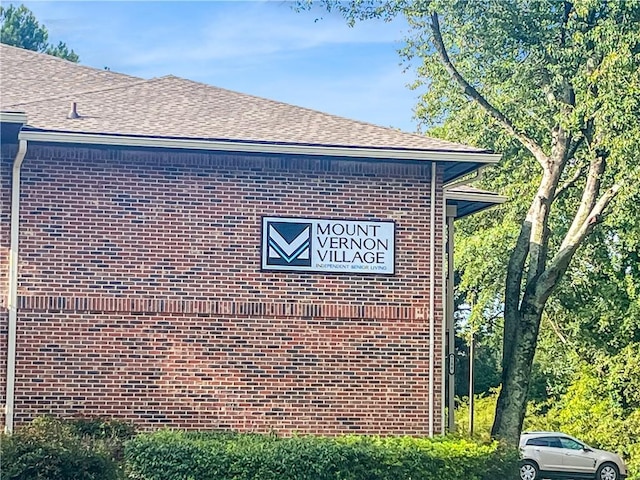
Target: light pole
(465, 312)
(471, 390)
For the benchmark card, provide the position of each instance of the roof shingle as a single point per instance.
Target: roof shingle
(27, 76)
(44, 87)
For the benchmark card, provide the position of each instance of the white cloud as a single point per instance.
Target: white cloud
(252, 29)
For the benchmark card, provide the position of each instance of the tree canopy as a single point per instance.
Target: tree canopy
(21, 29)
(554, 86)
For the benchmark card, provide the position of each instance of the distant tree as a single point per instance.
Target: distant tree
(21, 29)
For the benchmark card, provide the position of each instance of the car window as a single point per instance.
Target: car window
(570, 443)
(538, 442)
(545, 442)
(555, 442)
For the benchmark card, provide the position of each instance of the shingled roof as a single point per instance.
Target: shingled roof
(44, 87)
(26, 77)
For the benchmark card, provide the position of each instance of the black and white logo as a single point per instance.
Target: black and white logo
(364, 247)
(289, 244)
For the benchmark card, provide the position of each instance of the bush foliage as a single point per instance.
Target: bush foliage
(55, 449)
(92, 449)
(174, 455)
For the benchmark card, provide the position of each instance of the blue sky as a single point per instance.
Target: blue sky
(264, 48)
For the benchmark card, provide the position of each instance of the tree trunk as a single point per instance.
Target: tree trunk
(516, 377)
(523, 311)
(527, 295)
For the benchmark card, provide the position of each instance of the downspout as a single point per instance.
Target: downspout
(12, 297)
(432, 292)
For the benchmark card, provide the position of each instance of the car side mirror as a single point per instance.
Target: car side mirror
(586, 449)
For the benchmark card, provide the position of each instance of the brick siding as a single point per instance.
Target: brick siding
(7, 154)
(141, 295)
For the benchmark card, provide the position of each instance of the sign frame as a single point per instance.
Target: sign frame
(266, 220)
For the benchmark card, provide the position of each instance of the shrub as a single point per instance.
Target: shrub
(102, 428)
(102, 433)
(484, 411)
(48, 449)
(54, 449)
(174, 455)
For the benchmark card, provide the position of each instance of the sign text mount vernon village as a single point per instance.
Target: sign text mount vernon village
(320, 245)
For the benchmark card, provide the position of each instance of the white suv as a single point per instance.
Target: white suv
(556, 455)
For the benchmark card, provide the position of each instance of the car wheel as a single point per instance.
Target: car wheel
(608, 471)
(529, 471)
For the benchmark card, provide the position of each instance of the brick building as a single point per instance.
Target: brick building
(180, 255)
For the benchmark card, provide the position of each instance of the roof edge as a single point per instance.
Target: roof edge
(13, 117)
(476, 197)
(257, 147)
(464, 204)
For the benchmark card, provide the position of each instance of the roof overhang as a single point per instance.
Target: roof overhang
(10, 125)
(470, 202)
(456, 163)
(13, 117)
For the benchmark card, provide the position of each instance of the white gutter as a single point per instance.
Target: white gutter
(12, 297)
(13, 117)
(474, 176)
(432, 294)
(475, 197)
(248, 147)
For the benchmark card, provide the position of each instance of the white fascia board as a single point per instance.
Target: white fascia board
(13, 117)
(475, 197)
(247, 147)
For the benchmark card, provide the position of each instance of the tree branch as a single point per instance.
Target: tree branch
(538, 214)
(574, 144)
(568, 6)
(587, 202)
(558, 266)
(471, 92)
(569, 183)
(556, 330)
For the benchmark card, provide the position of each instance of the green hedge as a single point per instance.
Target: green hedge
(174, 455)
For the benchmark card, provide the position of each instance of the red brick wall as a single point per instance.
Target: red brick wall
(6, 159)
(7, 154)
(141, 294)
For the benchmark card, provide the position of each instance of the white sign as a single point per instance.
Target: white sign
(315, 245)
